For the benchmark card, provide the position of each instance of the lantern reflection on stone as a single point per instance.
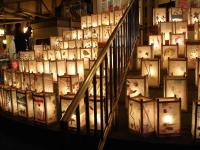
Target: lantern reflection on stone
(141, 115)
(175, 14)
(24, 104)
(176, 86)
(159, 15)
(71, 67)
(193, 52)
(166, 28)
(151, 68)
(177, 66)
(180, 40)
(48, 83)
(168, 51)
(53, 69)
(168, 116)
(45, 108)
(156, 41)
(32, 66)
(143, 52)
(61, 67)
(56, 42)
(181, 27)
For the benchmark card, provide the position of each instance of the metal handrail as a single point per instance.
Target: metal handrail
(81, 92)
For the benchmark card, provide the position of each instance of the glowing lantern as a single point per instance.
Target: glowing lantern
(175, 14)
(180, 40)
(39, 83)
(48, 83)
(71, 67)
(26, 55)
(46, 66)
(95, 33)
(8, 77)
(26, 81)
(86, 54)
(177, 66)
(141, 112)
(168, 116)
(66, 35)
(65, 45)
(83, 22)
(72, 44)
(143, 52)
(194, 15)
(99, 19)
(61, 67)
(74, 34)
(72, 54)
(169, 51)
(87, 43)
(40, 66)
(192, 51)
(64, 54)
(32, 81)
(53, 69)
(89, 21)
(105, 18)
(94, 43)
(87, 33)
(26, 65)
(56, 42)
(176, 86)
(45, 108)
(65, 102)
(25, 104)
(38, 52)
(80, 70)
(156, 41)
(51, 55)
(57, 54)
(95, 53)
(18, 79)
(151, 68)
(21, 65)
(106, 32)
(45, 55)
(94, 20)
(181, 27)
(166, 28)
(79, 44)
(32, 66)
(159, 15)
(118, 14)
(80, 34)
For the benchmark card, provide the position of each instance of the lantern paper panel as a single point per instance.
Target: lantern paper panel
(181, 27)
(19, 79)
(180, 40)
(26, 66)
(166, 28)
(45, 55)
(8, 78)
(61, 67)
(67, 35)
(193, 51)
(169, 51)
(94, 20)
(111, 20)
(38, 52)
(65, 45)
(56, 42)
(177, 66)
(196, 31)
(105, 18)
(177, 86)
(80, 70)
(83, 22)
(95, 33)
(51, 54)
(143, 52)
(72, 54)
(89, 21)
(99, 19)
(95, 52)
(159, 15)
(46, 66)
(194, 15)
(80, 34)
(197, 71)
(53, 69)
(26, 81)
(79, 43)
(71, 67)
(169, 116)
(39, 83)
(86, 53)
(57, 54)
(175, 14)
(32, 81)
(39, 106)
(156, 41)
(32, 66)
(87, 33)
(151, 68)
(141, 112)
(26, 55)
(105, 33)
(48, 83)
(118, 15)
(65, 102)
(74, 34)
(64, 54)
(40, 66)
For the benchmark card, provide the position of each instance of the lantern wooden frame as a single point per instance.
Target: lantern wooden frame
(143, 117)
(159, 15)
(154, 81)
(175, 14)
(166, 111)
(180, 69)
(156, 41)
(177, 86)
(47, 115)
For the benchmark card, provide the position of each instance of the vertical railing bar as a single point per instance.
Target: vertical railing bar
(95, 104)
(106, 86)
(121, 53)
(87, 112)
(111, 78)
(78, 119)
(115, 67)
(118, 57)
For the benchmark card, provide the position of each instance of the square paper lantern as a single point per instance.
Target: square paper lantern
(194, 15)
(94, 20)
(181, 27)
(26, 81)
(8, 77)
(45, 108)
(25, 104)
(87, 43)
(65, 45)
(61, 67)
(72, 54)
(67, 35)
(18, 79)
(32, 66)
(83, 22)
(53, 69)
(71, 67)
(68, 84)
(56, 42)
(40, 66)
(168, 51)
(151, 68)
(175, 14)
(72, 44)
(192, 51)
(105, 18)
(80, 69)
(197, 71)
(180, 40)
(177, 66)
(64, 54)
(168, 116)
(80, 34)
(94, 43)
(176, 86)
(32, 81)
(39, 83)
(46, 66)
(166, 28)
(27, 55)
(57, 54)
(48, 83)
(65, 101)
(38, 52)
(143, 52)
(45, 55)
(87, 33)
(112, 21)
(159, 15)
(74, 34)
(141, 116)
(118, 15)
(51, 55)
(156, 41)
(79, 44)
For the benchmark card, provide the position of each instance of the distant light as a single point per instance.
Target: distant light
(25, 29)
(4, 42)
(2, 32)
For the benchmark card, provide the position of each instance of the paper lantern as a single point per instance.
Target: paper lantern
(87, 43)
(48, 83)
(168, 116)
(68, 84)
(51, 55)
(181, 27)
(40, 66)
(192, 51)
(151, 68)
(159, 15)
(64, 54)
(176, 86)
(168, 51)
(24, 104)
(32, 81)
(112, 18)
(87, 33)
(26, 81)
(86, 55)
(143, 52)
(118, 15)
(79, 44)
(80, 34)
(61, 67)
(71, 67)
(56, 42)
(46, 66)
(177, 66)
(175, 14)
(83, 22)
(26, 65)
(94, 43)
(156, 41)
(106, 32)
(65, 102)
(72, 44)
(99, 19)
(67, 35)
(141, 112)
(194, 15)
(38, 52)
(197, 71)
(65, 45)
(166, 28)
(105, 18)
(80, 69)
(8, 77)
(45, 55)
(21, 65)
(95, 52)
(89, 21)
(180, 40)
(57, 54)
(32, 66)
(39, 83)
(53, 69)
(74, 35)
(18, 79)
(72, 54)
(94, 20)
(45, 108)
(95, 33)
(26, 55)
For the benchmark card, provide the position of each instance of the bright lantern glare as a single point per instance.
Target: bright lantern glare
(168, 119)
(25, 29)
